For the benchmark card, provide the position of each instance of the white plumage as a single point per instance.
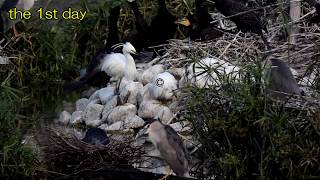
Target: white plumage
(119, 65)
(209, 71)
(114, 64)
(163, 86)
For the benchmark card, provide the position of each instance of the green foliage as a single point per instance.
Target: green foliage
(245, 134)
(16, 161)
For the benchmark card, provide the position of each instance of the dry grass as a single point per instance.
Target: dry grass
(70, 156)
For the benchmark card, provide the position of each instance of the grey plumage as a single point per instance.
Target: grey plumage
(282, 79)
(170, 146)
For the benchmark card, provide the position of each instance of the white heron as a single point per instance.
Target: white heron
(119, 66)
(112, 65)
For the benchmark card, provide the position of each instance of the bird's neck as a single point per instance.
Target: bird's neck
(131, 70)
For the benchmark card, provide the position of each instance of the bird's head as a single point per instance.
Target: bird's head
(184, 21)
(130, 0)
(149, 121)
(128, 48)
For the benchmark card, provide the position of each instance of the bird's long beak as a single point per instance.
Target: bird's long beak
(183, 21)
(133, 52)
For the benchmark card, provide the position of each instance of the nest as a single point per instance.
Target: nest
(238, 48)
(70, 156)
(246, 50)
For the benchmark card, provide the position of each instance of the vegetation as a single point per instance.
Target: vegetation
(41, 56)
(243, 133)
(15, 159)
(246, 134)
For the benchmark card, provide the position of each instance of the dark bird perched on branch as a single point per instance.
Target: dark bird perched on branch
(93, 75)
(161, 29)
(199, 23)
(246, 20)
(314, 3)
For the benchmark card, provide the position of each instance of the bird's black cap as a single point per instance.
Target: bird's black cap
(150, 120)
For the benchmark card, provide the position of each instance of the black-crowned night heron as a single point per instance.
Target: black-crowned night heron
(282, 79)
(10, 4)
(170, 146)
(96, 136)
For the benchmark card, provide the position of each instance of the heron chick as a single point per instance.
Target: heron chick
(96, 136)
(282, 79)
(170, 146)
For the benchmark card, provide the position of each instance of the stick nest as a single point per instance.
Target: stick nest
(69, 155)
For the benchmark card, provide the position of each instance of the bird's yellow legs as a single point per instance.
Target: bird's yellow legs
(169, 170)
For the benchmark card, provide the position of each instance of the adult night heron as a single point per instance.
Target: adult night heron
(170, 146)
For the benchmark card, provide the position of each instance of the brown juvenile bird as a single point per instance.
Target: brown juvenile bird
(170, 146)
(246, 20)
